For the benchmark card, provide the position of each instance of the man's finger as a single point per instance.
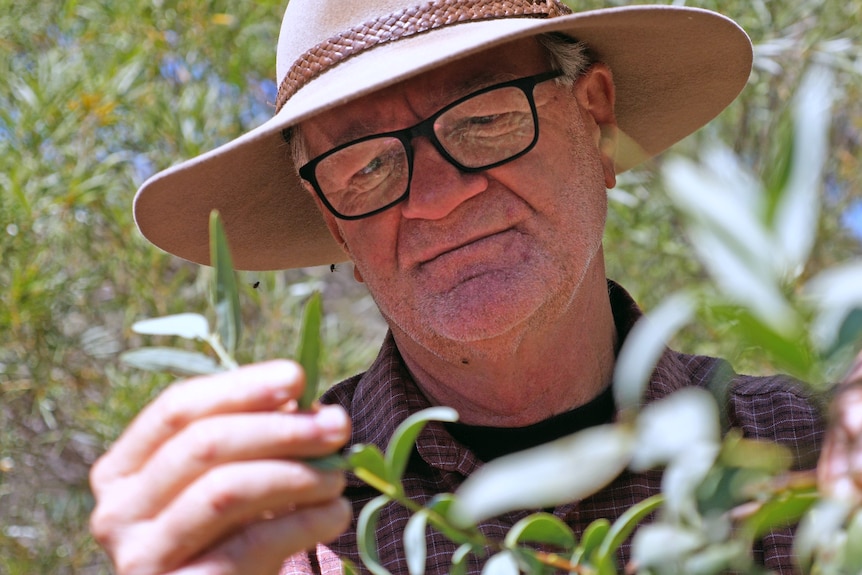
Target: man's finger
(221, 503)
(208, 443)
(261, 548)
(258, 387)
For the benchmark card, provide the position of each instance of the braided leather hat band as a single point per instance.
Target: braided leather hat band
(403, 24)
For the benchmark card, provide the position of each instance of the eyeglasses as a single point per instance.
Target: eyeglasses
(480, 131)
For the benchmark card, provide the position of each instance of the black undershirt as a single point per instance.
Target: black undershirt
(491, 442)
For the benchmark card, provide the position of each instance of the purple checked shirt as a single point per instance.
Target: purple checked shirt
(769, 408)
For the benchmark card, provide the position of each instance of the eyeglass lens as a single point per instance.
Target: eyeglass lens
(481, 131)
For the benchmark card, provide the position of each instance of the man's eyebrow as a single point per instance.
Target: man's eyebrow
(473, 84)
(354, 128)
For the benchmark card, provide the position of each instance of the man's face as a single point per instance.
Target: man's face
(469, 257)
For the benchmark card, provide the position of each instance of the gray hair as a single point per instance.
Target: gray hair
(567, 54)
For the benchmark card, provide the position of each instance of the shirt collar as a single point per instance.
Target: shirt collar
(386, 395)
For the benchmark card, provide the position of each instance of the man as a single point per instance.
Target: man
(458, 154)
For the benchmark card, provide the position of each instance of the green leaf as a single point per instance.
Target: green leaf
(402, 442)
(591, 540)
(819, 529)
(853, 548)
(308, 352)
(348, 567)
(850, 331)
(541, 528)
(567, 469)
(177, 361)
(440, 505)
(225, 295)
(659, 440)
(414, 542)
(367, 463)
(624, 526)
(716, 558)
(785, 349)
(187, 325)
(366, 534)
(661, 544)
(797, 211)
(644, 346)
(328, 463)
(459, 559)
(503, 563)
(782, 511)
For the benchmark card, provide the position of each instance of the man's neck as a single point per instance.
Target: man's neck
(525, 377)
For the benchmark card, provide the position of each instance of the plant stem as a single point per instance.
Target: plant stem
(224, 357)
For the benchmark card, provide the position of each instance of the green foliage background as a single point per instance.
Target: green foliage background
(95, 95)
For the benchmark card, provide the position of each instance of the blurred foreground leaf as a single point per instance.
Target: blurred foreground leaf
(308, 350)
(225, 295)
(546, 475)
(176, 361)
(187, 325)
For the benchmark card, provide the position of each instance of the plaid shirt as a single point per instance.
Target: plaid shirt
(770, 408)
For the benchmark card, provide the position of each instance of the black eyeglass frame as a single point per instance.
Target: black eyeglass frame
(426, 128)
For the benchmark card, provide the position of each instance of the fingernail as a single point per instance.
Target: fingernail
(332, 420)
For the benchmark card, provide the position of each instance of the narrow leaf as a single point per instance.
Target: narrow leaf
(541, 528)
(660, 543)
(624, 526)
(798, 210)
(187, 325)
(328, 463)
(659, 440)
(779, 512)
(367, 464)
(225, 294)
(308, 352)
(348, 567)
(643, 348)
(564, 470)
(177, 361)
(414, 542)
(366, 534)
(503, 563)
(459, 559)
(591, 540)
(402, 442)
(440, 505)
(853, 549)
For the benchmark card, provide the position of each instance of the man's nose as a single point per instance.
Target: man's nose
(438, 187)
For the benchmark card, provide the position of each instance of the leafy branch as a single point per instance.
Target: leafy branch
(720, 492)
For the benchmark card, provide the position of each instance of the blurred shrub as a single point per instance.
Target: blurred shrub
(98, 95)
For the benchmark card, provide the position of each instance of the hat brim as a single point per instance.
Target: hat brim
(674, 69)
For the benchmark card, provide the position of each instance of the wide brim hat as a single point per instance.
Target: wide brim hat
(674, 68)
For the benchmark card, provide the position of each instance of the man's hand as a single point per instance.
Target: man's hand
(839, 471)
(209, 477)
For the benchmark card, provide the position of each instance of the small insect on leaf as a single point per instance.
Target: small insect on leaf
(225, 296)
(255, 285)
(308, 353)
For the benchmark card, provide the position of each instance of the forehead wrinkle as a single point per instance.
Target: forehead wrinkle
(425, 103)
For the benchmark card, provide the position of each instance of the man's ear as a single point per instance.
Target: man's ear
(596, 95)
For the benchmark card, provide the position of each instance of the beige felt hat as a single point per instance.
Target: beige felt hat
(675, 69)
